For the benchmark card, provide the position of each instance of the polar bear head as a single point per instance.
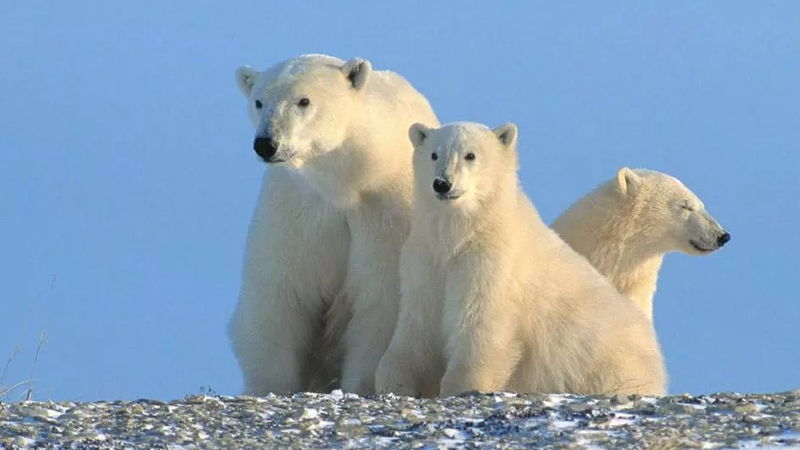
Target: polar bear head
(665, 214)
(463, 165)
(302, 107)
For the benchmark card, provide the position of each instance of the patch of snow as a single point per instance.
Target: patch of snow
(588, 445)
(466, 420)
(444, 444)
(452, 433)
(26, 440)
(759, 445)
(309, 413)
(789, 434)
(555, 400)
(563, 424)
(51, 413)
(619, 420)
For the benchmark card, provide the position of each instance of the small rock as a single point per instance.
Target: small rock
(619, 399)
(307, 414)
(747, 408)
(676, 408)
(580, 408)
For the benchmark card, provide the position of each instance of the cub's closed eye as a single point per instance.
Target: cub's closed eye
(687, 207)
(303, 102)
(259, 105)
(434, 156)
(470, 157)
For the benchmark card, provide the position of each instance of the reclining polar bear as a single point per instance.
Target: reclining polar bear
(627, 225)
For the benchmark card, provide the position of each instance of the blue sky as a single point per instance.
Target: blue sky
(127, 178)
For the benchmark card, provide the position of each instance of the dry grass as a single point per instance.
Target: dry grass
(6, 391)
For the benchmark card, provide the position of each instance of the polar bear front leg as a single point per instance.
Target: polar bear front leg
(480, 327)
(374, 316)
(294, 262)
(373, 287)
(414, 363)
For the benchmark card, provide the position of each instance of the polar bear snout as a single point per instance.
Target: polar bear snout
(705, 246)
(444, 189)
(265, 147)
(442, 186)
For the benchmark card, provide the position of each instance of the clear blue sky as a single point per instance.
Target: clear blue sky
(127, 178)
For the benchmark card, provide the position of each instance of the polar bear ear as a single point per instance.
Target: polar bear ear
(507, 134)
(357, 70)
(246, 79)
(418, 133)
(627, 181)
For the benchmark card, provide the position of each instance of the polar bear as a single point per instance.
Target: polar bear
(626, 225)
(492, 298)
(320, 284)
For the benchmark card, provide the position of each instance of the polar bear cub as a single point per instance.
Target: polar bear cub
(626, 225)
(320, 284)
(492, 298)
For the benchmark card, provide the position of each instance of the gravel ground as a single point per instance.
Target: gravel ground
(347, 421)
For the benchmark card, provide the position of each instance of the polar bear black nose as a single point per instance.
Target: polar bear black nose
(724, 238)
(442, 186)
(265, 147)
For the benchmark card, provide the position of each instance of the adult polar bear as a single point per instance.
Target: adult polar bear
(627, 225)
(321, 264)
(492, 298)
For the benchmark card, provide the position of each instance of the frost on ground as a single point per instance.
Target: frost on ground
(347, 421)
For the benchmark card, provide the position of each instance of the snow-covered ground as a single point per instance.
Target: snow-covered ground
(347, 421)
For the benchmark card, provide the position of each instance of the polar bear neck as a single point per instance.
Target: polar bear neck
(452, 230)
(349, 181)
(607, 232)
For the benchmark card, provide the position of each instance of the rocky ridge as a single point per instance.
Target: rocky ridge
(348, 421)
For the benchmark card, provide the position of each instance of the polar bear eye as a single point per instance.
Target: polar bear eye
(470, 156)
(303, 102)
(259, 105)
(434, 156)
(687, 207)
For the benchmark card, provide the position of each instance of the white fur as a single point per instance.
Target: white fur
(320, 284)
(493, 299)
(626, 225)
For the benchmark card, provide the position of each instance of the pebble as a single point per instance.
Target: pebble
(747, 408)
